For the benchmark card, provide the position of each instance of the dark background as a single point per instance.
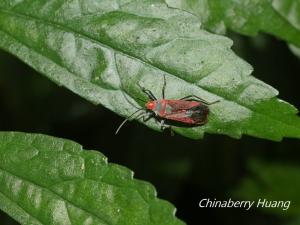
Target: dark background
(183, 171)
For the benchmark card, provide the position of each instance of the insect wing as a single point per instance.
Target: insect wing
(182, 117)
(178, 105)
(195, 116)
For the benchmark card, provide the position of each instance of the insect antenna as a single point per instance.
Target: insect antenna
(128, 118)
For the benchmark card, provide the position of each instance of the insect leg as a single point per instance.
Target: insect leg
(194, 97)
(164, 87)
(146, 116)
(163, 126)
(148, 93)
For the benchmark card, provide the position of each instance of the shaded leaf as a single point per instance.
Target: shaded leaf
(101, 50)
(47, 180)
(273, 182)
(278, 17)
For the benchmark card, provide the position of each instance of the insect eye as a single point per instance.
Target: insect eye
(150, 105)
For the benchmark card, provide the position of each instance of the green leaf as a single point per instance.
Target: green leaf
(278, 17)
(102, 50)
(47, 180)
(273, 182)
(290, 10)
(295, 50)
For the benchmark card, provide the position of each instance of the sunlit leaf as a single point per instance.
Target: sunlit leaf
(102, 50)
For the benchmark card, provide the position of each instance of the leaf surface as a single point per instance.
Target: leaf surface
(103, 50)
(47, 180)
(278, 17)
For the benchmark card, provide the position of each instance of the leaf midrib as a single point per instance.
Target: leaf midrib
(87, 37)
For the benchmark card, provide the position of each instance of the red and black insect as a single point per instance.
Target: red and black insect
(189, 111)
